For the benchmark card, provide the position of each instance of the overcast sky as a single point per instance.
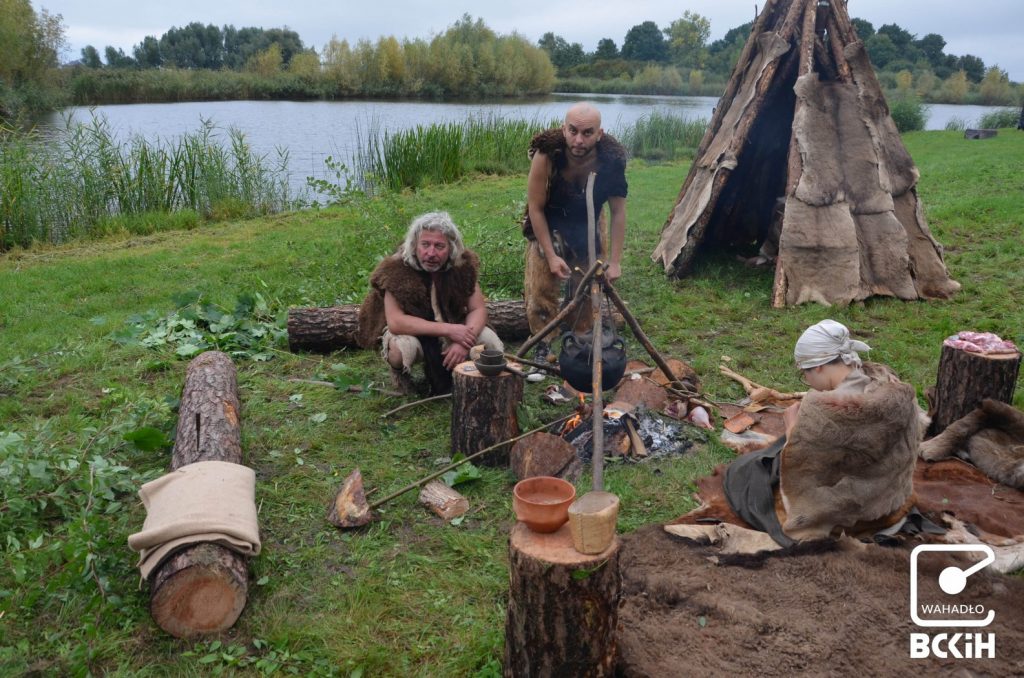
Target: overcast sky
(990, 29)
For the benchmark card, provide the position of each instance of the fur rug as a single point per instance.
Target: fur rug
(992, 437)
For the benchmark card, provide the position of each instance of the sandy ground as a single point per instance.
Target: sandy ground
(821, 611)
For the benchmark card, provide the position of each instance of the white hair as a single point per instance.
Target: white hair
(439, 222)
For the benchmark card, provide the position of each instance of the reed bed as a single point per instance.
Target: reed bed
(443, 153)
(82, 179)
(663, 136)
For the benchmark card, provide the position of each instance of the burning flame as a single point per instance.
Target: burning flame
(577, 418)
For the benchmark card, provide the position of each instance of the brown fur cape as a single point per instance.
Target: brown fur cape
(411, 288)
(850, 458)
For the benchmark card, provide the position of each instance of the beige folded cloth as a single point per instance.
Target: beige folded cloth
(208, 501)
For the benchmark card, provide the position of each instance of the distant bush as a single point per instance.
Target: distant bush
(1004, 117)
(908, 113)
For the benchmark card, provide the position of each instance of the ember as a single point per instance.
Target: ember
(659, 438)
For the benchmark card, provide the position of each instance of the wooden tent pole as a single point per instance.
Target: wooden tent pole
(573, 303)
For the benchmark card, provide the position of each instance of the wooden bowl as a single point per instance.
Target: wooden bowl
(542, 502)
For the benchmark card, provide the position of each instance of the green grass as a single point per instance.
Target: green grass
(408, 595)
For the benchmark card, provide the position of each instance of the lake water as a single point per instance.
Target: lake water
(313, 130)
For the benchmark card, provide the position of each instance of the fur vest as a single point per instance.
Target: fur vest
(551, 142)
(411, 288)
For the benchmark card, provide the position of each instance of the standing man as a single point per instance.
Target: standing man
(561, 159)
(425, 304)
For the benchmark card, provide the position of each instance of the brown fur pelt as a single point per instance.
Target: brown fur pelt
(551, 142)
(411, 289)
(850, 458)
(993, 438)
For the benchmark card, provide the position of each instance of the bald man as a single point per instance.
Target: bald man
(556, 221)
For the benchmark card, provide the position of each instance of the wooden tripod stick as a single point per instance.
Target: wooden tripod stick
(639, 334)
(460, 462)
(573, 303)
(597, 454)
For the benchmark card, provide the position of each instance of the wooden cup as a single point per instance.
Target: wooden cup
(592, 520)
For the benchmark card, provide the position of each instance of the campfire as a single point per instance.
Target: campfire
(631, 436)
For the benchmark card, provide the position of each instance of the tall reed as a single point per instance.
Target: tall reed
(663, 136)
(444, 152)
(72, 181)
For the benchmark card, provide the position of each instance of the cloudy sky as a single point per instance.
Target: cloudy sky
(990, 29)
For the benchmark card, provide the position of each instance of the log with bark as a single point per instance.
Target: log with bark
(444, 501)
(484, 412)
(965, 379)
(562, 607)
(202, 588)
(322, 330)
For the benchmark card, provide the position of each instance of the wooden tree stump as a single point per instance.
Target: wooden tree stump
(322, 330)
(203, 588)
(965, 379)
(484, 412)
(562, 607)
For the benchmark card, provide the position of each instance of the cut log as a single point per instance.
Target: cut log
(562, 607)
(965, 379)
(444, 501)
(484, 412)
(322, 330)
(203, 588)
(543, 454)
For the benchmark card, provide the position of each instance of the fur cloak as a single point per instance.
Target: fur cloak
(411, 288)
(850, 458)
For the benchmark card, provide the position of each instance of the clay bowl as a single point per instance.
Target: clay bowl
(542, 502)
(491, 356)
(489, 370)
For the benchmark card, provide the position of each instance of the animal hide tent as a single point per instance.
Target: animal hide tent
(802, 151)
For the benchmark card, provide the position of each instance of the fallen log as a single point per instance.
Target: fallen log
(326, 329)
(203, 588)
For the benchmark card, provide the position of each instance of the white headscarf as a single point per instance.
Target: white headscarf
(822, 343)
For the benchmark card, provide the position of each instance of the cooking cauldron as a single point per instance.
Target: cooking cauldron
(575, 361)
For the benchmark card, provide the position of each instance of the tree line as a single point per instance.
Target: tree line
(680, 57)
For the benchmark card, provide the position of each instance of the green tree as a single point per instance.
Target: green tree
(645, 42)
(147, 53)
(91, 57)
(881, 50)
(267, 63)
(116, 58)
(973, 66)
(687, 40)
(932, 46)
(305, 65)
(956, 87)
(30, 48)
(563, 55)
(995, 87)
(865, 29)
(606, 49)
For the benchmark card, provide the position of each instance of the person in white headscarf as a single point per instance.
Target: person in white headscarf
(828, 357)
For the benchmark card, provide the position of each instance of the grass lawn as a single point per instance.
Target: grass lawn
(410, 594)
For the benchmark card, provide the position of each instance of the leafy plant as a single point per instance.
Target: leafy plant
(1002, 118)
(461, 474)
(908, 113)
(248, 331)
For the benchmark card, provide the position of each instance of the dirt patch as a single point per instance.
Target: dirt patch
(817, 611)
